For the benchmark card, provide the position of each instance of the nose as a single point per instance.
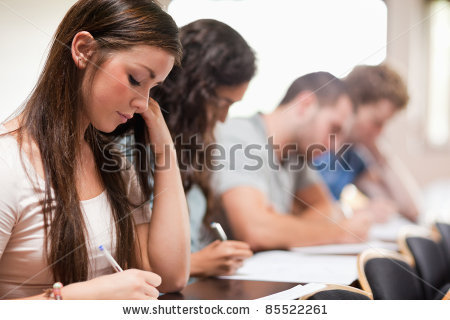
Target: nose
(223, 114)
(140, 103)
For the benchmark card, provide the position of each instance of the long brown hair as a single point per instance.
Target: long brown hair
(214, 54)
(51, 118)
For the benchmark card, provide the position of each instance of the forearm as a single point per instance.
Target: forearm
(314, 202)
(198, 268)
(400, 192)
(394, 182)
(277, 231)
(384, 182)
(169, 238)
(319, 211)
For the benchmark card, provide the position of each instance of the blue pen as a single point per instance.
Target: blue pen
(110, 259)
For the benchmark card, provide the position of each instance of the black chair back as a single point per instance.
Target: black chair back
(431, 265)
(388, 276)
(393, 280)
(444, 231)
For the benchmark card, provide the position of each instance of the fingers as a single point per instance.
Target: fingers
(152, 112)
(150, 281)
(234, 249)
(231, 266)
(151, 292)
(152, 104)
(215, 244)
(241, 254)
(238, 244)
(152, 278)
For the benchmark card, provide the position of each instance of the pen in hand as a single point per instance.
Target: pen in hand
(110, 259)
(218, 230)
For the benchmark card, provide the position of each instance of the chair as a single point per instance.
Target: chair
(428, 257)
(443, 230)
(338, 292)
(387, 275)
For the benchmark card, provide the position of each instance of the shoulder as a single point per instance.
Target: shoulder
(9, 154)
(11, 176)
(245, 130)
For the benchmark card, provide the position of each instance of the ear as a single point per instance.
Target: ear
(83, 48)
(304, 101)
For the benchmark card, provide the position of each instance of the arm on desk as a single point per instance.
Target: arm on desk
(385, 182)
(314, 201)
(254, 222)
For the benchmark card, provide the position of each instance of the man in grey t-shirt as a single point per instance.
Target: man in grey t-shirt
(271, 196)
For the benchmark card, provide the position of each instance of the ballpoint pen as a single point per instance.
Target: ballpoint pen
(111, 260)
(217, 228)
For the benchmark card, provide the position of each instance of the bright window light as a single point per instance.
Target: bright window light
(294, 37)
(439, 97)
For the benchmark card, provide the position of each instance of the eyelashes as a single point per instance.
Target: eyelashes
(133, 81)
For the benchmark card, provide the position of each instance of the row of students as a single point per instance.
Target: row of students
(66, 190)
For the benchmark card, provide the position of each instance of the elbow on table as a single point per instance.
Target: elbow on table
(175, 283)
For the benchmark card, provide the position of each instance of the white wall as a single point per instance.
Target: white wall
(26, 29)
(295, 37)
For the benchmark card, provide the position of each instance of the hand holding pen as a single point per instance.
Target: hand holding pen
(222, 257)
(126, 284)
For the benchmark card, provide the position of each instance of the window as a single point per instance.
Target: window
(438, 118)
(295, 37)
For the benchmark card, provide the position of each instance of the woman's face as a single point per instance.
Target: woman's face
(225, 97)
(121, 85)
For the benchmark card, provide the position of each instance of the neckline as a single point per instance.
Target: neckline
(97, 197)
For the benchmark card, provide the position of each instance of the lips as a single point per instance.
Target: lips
(124, 117)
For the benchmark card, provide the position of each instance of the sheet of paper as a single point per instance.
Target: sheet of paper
(388, 231)
(289, 266)
(295, 292)
(353, 248)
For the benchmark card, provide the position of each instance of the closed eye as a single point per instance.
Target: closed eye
(133, 81)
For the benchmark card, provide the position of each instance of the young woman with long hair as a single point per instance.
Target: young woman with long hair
(215, 71)
(65, 190)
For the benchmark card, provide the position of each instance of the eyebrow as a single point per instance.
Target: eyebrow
(151, 72)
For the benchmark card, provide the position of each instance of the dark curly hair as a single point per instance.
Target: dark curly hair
(214, 55)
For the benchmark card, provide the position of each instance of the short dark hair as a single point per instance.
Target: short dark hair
(368, 84)
(327, 88)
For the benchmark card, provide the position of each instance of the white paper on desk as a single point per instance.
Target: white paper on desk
(388, 231)
(288, 266)
(295, 292)
(353, 248)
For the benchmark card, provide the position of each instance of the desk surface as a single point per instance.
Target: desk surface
(224, 289)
